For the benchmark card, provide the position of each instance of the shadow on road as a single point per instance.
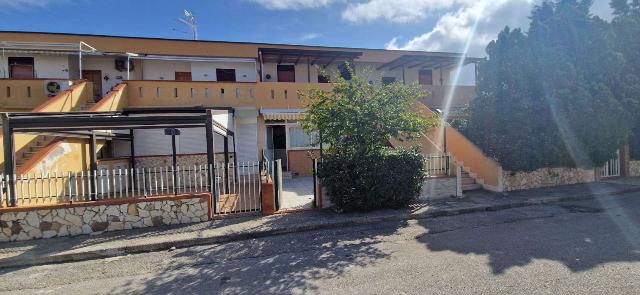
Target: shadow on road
(278, 265)
(582, 235)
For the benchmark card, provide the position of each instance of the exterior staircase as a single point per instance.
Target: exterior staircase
(32, 149)
(42, 141)
(87, 107)
(469, 183)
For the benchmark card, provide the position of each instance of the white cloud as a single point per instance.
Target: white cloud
(293, 4)
(452, 29)
(397, 11)
(309, 36)
(25, 4)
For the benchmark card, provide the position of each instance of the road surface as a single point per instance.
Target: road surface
(588, 247)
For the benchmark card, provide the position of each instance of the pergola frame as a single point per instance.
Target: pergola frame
(130, 119)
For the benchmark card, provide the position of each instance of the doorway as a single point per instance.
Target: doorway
(286, 73)
(277, 144)
(183, 76)
(21, 67)
(95, 77)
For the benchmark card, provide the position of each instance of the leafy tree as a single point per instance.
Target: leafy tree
(359, 118)
(626, 26)
(548, 97)
(356, 120)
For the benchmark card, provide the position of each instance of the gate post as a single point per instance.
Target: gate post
(277, 182)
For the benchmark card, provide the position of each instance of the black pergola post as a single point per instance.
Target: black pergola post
(211, 172)
(9, 161)
(235, 158)
(93, 163)
(226, 164)
(133, 156)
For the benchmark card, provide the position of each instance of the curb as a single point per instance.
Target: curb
(163, 246)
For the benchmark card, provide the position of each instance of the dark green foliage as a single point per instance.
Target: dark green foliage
(367, 182)
(626, 26)
(550, 97)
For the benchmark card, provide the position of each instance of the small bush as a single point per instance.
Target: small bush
(387, 179)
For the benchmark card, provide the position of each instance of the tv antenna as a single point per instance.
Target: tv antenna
(190, 21)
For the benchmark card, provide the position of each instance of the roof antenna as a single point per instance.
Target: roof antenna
(190, 21)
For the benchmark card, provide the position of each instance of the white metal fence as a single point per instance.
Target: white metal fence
(612, 167)
(437, 164)
(237, 186)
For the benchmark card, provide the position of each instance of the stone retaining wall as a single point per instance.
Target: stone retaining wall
(634, 168)
(182, 160)
(101, 216)
(545, 177)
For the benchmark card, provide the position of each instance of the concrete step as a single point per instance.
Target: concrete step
(468, 180)
(470, 187)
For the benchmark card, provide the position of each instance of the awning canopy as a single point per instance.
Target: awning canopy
(428, 61)
(46, 47)
(283, 114)
(319, 57)
(191, 58)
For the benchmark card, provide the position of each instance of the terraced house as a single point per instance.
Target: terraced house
(92, 118)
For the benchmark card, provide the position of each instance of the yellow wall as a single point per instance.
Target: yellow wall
(72, 154)
(68, 100)
(116, 100)
(266, 95)
(19, 99)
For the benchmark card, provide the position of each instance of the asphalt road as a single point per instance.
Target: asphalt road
(590, 247)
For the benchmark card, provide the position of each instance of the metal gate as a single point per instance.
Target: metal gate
(612, 167)
(237, 188)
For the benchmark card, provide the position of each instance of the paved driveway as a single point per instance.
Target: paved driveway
(297, 193)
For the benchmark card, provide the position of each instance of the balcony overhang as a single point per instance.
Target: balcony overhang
(47, 47)
(191, 58)
(282, 114)
(313, 57)
(429, 61)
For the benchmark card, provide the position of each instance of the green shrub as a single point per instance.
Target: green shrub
(387, 179)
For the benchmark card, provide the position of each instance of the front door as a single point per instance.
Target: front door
(277, 144)
(95, 77)
(183, 76)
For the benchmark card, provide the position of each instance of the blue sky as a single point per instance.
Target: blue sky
(436, 25)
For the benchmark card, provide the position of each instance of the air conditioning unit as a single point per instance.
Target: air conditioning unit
(121, 65)
(53, 87)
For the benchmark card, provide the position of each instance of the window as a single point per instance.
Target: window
(388, 80)
(299, 139)
(226, 75)
(21, 67)
(425, 77)
(286, 73)
(323, 78)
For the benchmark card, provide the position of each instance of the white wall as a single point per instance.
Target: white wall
(46, 66)
(163, 70)
(108, 67)
(206, 71)
(246, 131)
(301, 72)
(200, 71)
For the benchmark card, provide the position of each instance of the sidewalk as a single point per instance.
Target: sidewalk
(57, 250)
